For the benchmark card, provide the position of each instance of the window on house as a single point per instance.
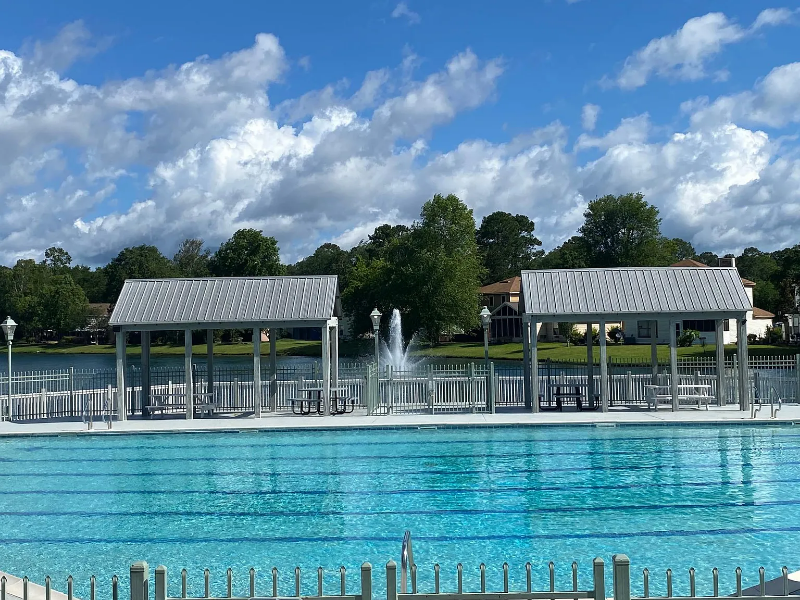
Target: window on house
(491, 300)
(705, 325)
(644, 329)
(502, 299)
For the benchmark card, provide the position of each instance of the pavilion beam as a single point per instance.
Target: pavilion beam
(526, 360)
(273, 369)
(326, 371)
(145, 365)
(334, 333)
(589, 366)
(719, 328)
(257, 372)
(122, 411)
(654, 350)
(210, 363)
(744, 369)
(673, 363)
(187, 350)
(603, 366)
(534, 365)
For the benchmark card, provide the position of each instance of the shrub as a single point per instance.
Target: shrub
(615, 334)
(773, 334)
(752, 338)
(575, 337)
(688, 337)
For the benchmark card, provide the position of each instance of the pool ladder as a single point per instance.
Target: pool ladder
(774, 398)
(406, 564)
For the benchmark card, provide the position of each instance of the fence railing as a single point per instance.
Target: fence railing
(321, 585)
(455, 388)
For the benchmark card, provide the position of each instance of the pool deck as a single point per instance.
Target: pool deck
(789, 414)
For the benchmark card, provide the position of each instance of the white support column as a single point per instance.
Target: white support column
(187, 349)
(334, 333)
(210, 364)
(145, 364)
(257, 372)
(326, 371)
(603, 367)
(744, 371)
(273, 369)
(719, 328)
(122, 409)
(534, 366)
(673, 363)
(589, 365)
(654, 350)
(526, 360)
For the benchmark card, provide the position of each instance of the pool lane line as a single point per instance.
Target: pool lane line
(530, 470)
(393, 539)
(270, 443)
(384, 492)
(366, 513)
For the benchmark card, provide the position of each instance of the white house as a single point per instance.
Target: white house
(641, 332)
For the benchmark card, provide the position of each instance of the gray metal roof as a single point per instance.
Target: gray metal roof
(226, 301)
(634, 291)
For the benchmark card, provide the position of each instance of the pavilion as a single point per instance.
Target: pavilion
(211, 303)
(634, 293)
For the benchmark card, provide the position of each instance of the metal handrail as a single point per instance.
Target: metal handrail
(406, 562)
(773, 395)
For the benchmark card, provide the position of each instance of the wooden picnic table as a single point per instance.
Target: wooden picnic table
(581, 390)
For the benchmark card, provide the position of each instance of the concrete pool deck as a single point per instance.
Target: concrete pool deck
(789, 414)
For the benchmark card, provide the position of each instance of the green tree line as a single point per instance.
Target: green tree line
(431, 270)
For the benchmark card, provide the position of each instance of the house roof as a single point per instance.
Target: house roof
(512, 305)
(614, 294)
(760, 313)
(221, 302)
(507, 286)
(688, 262)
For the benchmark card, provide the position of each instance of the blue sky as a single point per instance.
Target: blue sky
(316, 121)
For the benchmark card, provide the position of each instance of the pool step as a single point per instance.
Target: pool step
(35, 591)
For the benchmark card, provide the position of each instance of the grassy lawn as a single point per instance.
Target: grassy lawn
(286, 347)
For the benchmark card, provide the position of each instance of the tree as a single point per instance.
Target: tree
(620, 231)
(191, 259)
(708, 258)
(572, 254)
(138, 262)
(328, 259)
(248, 253)
(507, 245)
(63, 305)
(441, 269)
(57, 259)
(756, 265)
(92, 281)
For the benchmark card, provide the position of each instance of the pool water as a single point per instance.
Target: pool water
(667, 496)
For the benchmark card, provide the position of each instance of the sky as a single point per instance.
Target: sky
(150, 122)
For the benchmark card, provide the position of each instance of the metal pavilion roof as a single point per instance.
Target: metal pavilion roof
(226, 302)
(563, 294)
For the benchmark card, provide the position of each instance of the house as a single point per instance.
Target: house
(96, 330)
(642, 332)
(502, 299)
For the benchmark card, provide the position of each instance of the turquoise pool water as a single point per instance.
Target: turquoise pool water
(666, 496)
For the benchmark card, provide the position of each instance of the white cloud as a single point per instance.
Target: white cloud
(589, 116)
(72, 43)
(304, 62)
(207, 154)
(683, 55)
(402, 10)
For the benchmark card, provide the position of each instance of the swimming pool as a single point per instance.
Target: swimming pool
(666, 496)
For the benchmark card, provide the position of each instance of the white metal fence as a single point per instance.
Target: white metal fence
(456, 388)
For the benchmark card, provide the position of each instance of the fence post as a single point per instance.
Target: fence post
(431, 388)
(72, 391)
(161, 583)
(797, 376)
(622, 577)
(629, 390)
(490, 388)
(391, 580)
(236, 392)
(390, 377)
(139, 580)
(44, 403)
(366, 581)
(599, 576)
(471, 383)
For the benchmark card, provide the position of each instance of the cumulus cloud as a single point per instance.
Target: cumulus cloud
(684, 55)
(402, 11)
(72, 43)
(197, 150)
(589, 116)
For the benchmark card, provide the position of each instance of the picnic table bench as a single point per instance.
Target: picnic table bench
(164, 402)
(560, 391)
(341, 402)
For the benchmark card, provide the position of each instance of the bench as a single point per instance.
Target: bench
(161, 403)
(339, 405)
(696, 394)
